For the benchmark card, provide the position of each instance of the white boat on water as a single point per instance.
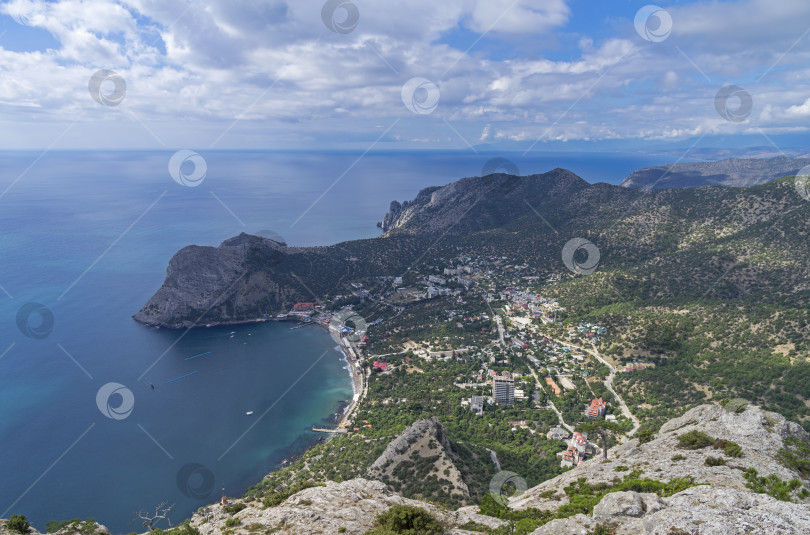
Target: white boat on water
(248, 413)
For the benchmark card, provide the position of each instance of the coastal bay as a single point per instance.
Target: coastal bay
(70, 245)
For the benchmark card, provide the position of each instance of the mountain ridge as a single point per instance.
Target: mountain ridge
(732, 172)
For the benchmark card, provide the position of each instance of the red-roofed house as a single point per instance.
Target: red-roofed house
(382, 366)
(570, 457)
(597, 408)
(580, 442)
(304, 307)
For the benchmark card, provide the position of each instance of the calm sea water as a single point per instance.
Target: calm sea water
(89, 235)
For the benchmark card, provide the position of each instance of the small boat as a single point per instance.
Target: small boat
(248, 413)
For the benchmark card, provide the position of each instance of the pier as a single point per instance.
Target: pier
(330, 429)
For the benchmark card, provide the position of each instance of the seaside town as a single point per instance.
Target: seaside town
(508, 334)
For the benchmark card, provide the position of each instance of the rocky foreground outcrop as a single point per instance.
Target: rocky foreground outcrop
(723, 506)
(75, 527)
(721, 503)
(352, 505)
(426, 438)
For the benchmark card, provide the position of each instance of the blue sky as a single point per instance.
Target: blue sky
(385, 74)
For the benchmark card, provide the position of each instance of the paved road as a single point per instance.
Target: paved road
(499, 321)
(608, 382)
(551, 404)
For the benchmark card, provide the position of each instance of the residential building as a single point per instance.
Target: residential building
(477, 405)
(503, 390)
(570, 457)
(577, 450)
(597, 408)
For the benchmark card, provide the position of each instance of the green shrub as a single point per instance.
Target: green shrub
(796, 455)
(235, 508)
(53, 526)
(408, 520)
(621, 468)
(232, 521)
(473, 526)
(736, 405)
(771, 485)
(645, 435)
(714, 461)
(18, 523)
(694, 440)
(606, 528)
(275, 497)
(732, 449)
(678, 457)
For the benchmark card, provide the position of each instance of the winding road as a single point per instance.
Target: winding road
(608, 382)
(550, 403)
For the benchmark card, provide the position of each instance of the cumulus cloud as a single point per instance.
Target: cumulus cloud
(271, 70)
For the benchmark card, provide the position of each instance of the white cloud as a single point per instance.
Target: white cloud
(518, 16)
(801, 111)
(192, 69)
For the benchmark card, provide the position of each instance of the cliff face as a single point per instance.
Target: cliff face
(470, 202)
(219, 282)
(735, 172)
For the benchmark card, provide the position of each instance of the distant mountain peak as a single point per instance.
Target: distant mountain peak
(490, 200)
(734, 172)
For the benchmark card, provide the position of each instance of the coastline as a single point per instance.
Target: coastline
(342, 417)
(358, 385)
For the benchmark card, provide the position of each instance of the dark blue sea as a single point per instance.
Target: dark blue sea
(88, 237)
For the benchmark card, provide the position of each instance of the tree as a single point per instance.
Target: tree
(18, 523)
(602, 428)
(409, 520)
(161, 512)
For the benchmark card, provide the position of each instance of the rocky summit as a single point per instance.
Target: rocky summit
(721, 498)
(721, 503)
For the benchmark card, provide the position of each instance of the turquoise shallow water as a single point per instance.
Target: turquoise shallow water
(89, 235)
